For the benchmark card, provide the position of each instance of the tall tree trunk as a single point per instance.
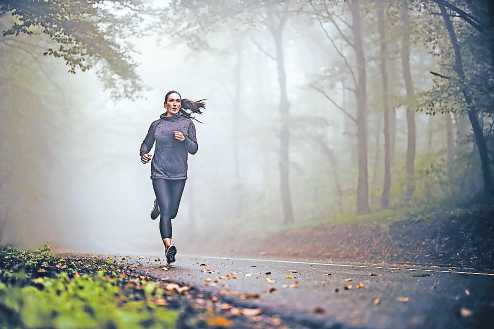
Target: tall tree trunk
(385, 101)
(361, 90)
(449, 146)
(428, 151)
(471, 110)
(377, 154)
(284, 108)
(430, 135)
(407, 77)
(237, 110)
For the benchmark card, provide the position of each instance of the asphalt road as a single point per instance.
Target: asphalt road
(318, 294)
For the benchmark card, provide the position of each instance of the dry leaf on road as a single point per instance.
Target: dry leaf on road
(251, 311)
(218, 321)
(465, 312)
(319, 310)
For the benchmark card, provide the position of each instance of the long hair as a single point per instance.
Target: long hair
(188, 107)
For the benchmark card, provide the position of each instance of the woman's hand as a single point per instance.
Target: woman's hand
(145, 158)
(179, 135)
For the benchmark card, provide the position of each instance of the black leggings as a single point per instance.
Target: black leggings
(168, 193)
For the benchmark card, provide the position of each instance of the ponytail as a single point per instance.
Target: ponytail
(188, 107)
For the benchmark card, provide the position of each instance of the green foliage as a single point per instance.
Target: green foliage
(83, 34)
(41, 290)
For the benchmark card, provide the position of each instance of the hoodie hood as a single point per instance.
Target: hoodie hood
(173, 117)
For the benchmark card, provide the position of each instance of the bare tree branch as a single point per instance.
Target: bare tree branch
(439, 75)
(339, 107)
(262, 50)
(340, 31)
(347, 64)
(473, 21)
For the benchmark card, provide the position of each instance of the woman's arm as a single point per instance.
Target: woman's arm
(147, 143)
(191, 139)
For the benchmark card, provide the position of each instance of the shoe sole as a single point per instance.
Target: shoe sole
(155, 212)
(170, 254)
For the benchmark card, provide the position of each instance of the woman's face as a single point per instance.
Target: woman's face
(173, 103)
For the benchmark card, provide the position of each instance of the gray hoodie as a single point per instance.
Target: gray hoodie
(170, 155)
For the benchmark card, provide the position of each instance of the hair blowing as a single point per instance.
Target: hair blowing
(187, 103)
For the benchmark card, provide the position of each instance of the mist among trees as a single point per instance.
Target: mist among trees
(317, 112)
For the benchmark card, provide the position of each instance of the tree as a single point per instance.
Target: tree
(83, 34)
(472, 111)
(385, 101)
(322, 11)
(361, 90)
(410, 95)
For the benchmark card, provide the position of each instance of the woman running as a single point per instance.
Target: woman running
(175, 136)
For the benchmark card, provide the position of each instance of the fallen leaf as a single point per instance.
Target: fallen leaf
(172, 286)
(348, 280)
(249, 296)
(319, 310)
(231, 276)
(160, 302)
(359, 285)
(251, 311)
(293, 285)
(183, 289)
(403, 299)
(276, 322)
(348, 287)
(376, 300)
(290, 276)
(234, 311)
(218, 321)
(465, 312)
(269, 280)
(271, 290)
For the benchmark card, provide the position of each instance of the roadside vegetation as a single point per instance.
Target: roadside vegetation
(41, 290)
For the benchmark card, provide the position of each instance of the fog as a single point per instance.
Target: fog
(71, 173)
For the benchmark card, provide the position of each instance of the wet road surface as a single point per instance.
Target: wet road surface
(337, 295)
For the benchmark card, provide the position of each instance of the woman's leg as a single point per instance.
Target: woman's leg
(177, 189)
(163, 195)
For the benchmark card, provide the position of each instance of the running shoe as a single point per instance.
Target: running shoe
(156, 210)
(170, 254)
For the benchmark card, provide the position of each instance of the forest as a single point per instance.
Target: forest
(333, 110)
(356, 131)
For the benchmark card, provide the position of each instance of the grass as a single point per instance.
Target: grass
(41, 290)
